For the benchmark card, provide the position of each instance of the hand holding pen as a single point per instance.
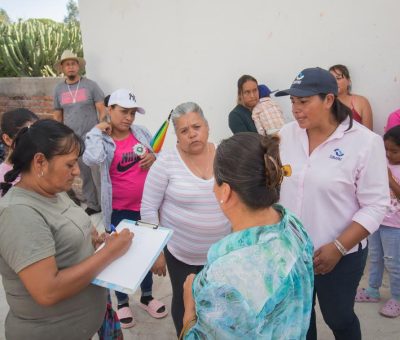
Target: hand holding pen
(118, 243)
(113, 230)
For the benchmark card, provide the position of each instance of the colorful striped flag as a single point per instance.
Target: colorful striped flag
(157, 141)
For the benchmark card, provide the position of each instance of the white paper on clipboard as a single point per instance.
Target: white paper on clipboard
(127, 272)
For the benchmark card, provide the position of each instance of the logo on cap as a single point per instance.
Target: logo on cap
(299, 78)
(132, 97)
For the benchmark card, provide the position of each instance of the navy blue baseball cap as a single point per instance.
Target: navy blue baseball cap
(263, 91)
(310, 82)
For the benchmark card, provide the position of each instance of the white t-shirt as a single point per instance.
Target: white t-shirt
(186, 204)
(344, 179)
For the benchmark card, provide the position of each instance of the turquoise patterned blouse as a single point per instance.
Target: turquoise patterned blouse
(257, 284)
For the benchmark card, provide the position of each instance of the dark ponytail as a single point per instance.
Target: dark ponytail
(340, 111)
(250, 164)
(12, 175)
(46, 136)
(4, 187)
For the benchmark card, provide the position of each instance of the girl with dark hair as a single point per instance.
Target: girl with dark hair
(338, 190)
(240, 119)
(47, 242)
(258, 281)
(384, 243)
(359, 105)
(11, 123)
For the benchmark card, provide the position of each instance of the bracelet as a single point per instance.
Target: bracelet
(340, 247)
(189, 324)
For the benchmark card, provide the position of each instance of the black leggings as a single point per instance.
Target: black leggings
(178, 271)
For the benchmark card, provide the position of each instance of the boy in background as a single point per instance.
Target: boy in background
(267, 114)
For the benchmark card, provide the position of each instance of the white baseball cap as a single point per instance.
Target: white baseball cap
(125, 99)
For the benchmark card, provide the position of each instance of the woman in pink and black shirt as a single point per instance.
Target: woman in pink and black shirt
(123, 151)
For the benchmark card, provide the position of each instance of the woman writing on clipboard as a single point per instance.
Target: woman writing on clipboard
(47, 242)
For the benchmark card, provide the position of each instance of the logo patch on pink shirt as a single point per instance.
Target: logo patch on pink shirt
(338, 155)
(68, 98)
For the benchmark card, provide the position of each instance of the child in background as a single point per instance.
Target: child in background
(123, 152)
(384, 244)
(267, 114)
(11, 123)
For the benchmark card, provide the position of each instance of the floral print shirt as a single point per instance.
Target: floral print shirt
(257, 284)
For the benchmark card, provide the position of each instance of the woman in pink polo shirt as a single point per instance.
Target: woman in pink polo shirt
(338, 189)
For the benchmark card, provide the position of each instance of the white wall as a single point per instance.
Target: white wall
(173, 51)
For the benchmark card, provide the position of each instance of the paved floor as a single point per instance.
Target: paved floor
(373, 325)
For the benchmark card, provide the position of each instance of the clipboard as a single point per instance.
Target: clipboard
(126, 273)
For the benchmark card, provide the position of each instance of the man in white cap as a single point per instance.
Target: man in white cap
(79, 104)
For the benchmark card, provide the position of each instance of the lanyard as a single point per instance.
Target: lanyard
(76, 91)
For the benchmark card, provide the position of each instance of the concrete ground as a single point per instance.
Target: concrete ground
(373, 325)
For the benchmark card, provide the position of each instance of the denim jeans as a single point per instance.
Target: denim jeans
(147, 283)
(336, 292)
(384, 248)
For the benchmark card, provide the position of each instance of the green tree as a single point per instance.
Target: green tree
(72, 12)
(4, 18)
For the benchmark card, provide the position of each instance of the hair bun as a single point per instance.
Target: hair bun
(273, 165)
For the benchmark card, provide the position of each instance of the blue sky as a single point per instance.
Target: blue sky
(25, 9)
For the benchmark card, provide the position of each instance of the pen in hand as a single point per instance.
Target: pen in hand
(113, 230)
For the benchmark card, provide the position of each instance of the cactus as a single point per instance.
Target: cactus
(30, 48)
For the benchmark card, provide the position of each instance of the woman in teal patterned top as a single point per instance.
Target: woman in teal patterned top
(258, 281)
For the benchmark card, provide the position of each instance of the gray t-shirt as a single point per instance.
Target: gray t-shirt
(77, 101)
(32, 228)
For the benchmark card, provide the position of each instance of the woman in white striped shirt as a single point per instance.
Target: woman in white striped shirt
(178, 194)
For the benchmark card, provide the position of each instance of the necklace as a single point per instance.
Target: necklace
(76, 91)
(202, 174)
